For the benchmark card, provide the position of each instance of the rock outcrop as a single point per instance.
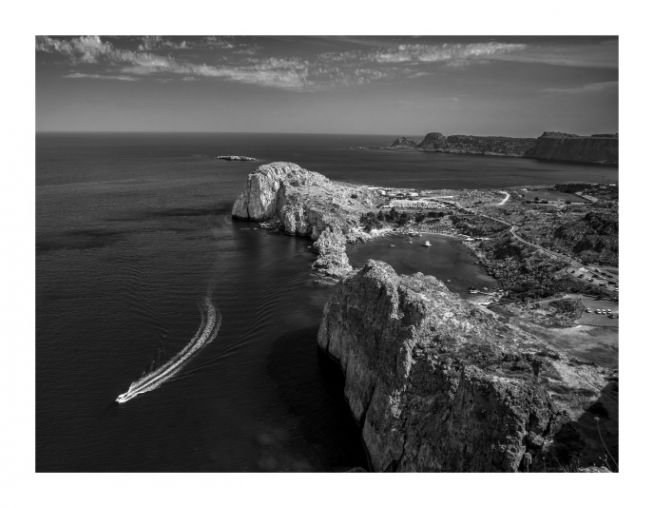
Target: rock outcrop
(241, 158)
(439, 384)
(404, 142)
(306, 203)
(557, 146)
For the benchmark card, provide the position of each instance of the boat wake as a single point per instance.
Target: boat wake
(211, 321)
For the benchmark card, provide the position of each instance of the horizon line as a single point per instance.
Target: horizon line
(92, 132)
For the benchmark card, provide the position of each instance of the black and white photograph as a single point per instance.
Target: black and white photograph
(312, 297)
(338, 251)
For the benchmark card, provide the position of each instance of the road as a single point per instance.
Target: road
(506, 198)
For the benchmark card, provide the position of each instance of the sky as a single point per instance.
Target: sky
(394, 85)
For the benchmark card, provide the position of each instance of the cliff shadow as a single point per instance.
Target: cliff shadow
(592, 440)
(312, 390)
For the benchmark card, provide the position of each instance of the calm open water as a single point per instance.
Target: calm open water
(133, 229)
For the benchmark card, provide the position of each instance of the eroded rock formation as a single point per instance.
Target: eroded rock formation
(306, 203)
(439, 384)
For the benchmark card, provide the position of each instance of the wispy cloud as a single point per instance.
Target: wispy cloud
(587, 88)
(243, 60)
(272, 72)
(85, 49)
(117, 77)
(459, 53)
(157, 42)
(602, 55)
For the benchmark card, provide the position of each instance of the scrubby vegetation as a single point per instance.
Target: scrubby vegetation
(594, 237)
(393, 218)
(476, 225)
(526, 273)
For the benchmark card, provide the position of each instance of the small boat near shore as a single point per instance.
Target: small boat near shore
(427, 243)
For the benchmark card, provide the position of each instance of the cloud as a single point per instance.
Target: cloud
(157, 42)
(587, 88)
(429, 53)
(154, 42)
(117, 77)
(242, 60)
(282, 73)
(324, 70)
(86, 49)
(603, 55)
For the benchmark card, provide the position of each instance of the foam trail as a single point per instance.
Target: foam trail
(211, 320)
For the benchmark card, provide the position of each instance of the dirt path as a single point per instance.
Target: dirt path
(507, 195)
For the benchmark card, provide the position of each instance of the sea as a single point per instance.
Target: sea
(133, 231)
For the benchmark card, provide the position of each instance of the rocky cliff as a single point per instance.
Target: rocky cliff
(439, 384)
(306, 203)
(595, 149)
(553, 146)
(477, 145)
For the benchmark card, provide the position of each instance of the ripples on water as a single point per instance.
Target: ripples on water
(130, 231)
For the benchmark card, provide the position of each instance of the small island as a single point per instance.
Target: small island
(242, 158)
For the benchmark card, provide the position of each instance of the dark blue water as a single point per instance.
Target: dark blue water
(447, 259)
(132, 230)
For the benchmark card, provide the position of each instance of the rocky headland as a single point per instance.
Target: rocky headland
(436, 382)
(439, 384)
(551, 146)
(476, 145)
(595, 149)
(299, 202)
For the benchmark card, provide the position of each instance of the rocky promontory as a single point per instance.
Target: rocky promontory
(557, 146)
(305, 203)
(550, 146)
(436, 382)
(439, 384)
(476, 145)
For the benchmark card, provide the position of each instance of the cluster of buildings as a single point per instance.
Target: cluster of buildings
(409, 200)
(605, 312)
(398, 195)
(592, 199)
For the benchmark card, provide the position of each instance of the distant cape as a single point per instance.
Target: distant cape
(551, 146)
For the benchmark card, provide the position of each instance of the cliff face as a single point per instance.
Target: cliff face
(478, 145)
(438, 384)
(596, 149)
(305, 203)
(554, 146)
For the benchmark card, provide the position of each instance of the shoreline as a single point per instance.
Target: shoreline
(393, 335)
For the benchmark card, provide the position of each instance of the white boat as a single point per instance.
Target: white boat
(427, 243)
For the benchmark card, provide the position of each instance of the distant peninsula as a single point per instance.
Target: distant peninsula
(550, 146)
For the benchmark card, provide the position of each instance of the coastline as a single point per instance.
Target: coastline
(333, 214)
(596, 149)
